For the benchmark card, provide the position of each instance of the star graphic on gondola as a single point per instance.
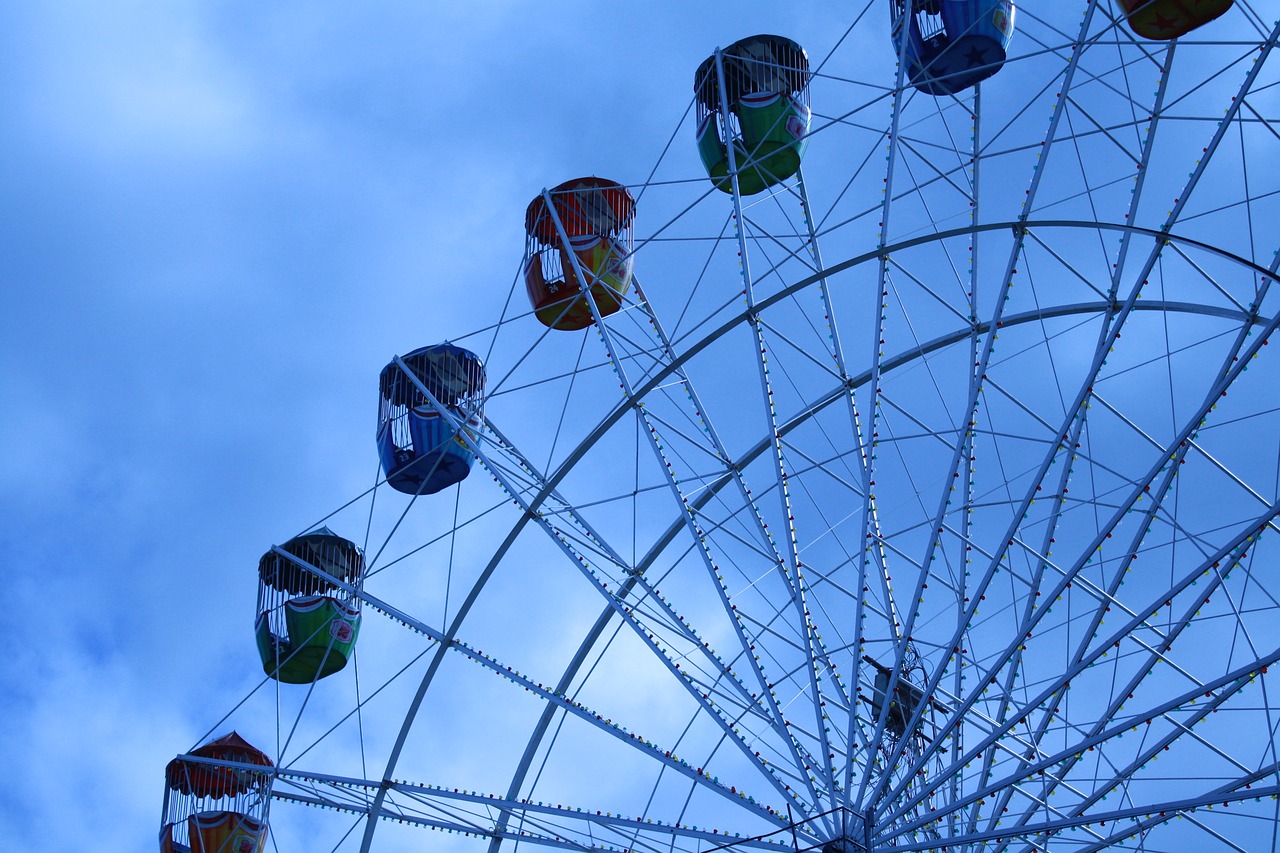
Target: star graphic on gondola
(976, 57)
(1165, 24)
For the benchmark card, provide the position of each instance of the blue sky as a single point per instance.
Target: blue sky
(218, 221)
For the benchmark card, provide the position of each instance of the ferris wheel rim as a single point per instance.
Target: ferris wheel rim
(674, 528)
(691, 347)
(628, 402)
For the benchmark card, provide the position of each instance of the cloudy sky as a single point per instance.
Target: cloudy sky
(219, 220)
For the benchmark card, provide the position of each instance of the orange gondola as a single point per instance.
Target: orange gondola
(587, 228)
(1162, 20)
(218, 806)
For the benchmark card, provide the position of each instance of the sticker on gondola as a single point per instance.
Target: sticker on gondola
(341, 630)
(798, 121)
(1000, 18)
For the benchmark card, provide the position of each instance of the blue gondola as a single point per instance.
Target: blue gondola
(952, 44)
(420, 449)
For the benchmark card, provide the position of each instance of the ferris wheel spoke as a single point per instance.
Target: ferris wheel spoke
(776, 248)
(1037, 479)
(869, 525)
(854, 729)
(700, 420)
(700, 535)
(1161, 491)
(951, 472)
(1056, 766)
(1016, 665)
(491, 816)
(1224, 126)
(1098, 128)
(662, 637)
(1223, 379)
(904, 145)
(1156, 655)
(1164, 639)
(731, 717)
(1143, 484)
(799, 758)
(1046, 703)
(560, 698)
(816, 660)
(1068, 77)
(1145, 815)
(1095, 831)
(1149, 306)
(571, 673)
(545, 490)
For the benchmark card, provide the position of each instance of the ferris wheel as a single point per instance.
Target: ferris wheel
(895, 466)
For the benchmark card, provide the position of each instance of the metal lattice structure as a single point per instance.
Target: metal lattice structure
(923, 500)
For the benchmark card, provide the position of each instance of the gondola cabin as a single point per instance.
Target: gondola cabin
(215, 799)
(307, 620)
(1168, 19)
(906, 698)
(753, 112)
(904, 702)
(421, 450)
(951, 45)
(578, 240)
